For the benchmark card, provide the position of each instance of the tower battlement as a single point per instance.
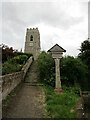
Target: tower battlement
(32, 29)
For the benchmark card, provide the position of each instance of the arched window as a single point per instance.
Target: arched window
(31, 38)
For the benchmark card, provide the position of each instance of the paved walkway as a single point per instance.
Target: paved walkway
(27, 100)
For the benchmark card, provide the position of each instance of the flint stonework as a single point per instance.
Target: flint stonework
(32, 42)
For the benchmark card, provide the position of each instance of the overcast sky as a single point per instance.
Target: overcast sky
(59, 21)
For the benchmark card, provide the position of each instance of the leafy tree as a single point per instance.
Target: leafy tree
(85, 45)
(7, 52)
(73, 70)
(85, 52)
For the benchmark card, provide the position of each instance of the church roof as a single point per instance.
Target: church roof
(56, 48)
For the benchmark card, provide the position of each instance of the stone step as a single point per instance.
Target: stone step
(33, 84)
(31, 77)
(30, 80)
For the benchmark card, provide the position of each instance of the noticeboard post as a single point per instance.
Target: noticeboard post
(57, 53)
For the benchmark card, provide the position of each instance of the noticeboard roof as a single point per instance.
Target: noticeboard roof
(56, 48)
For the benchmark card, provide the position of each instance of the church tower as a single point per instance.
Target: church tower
(32, 43)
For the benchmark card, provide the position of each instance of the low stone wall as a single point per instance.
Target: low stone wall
(26, 66)
(10, 81)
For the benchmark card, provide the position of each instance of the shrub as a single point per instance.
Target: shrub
(73, 70)
(10, 68)
(7, 52)
(20, 59)
(27, 54)
(14, 64)
(46, 69)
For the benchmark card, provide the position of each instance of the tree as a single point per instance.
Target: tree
(73, 70)
(7, 52)
(85, 52)
(85, 45)
(84, 55)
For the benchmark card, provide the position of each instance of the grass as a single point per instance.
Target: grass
(61, 105)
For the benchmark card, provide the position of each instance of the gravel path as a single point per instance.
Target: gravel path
(27, 100)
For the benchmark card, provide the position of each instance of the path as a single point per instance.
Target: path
(28, 99)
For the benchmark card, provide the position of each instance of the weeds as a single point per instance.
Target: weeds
(61, 105)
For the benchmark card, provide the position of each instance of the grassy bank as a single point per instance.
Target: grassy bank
(61, 105)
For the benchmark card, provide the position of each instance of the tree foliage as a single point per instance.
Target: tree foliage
(7, 52)
(72, 70)
(46, 69)
(85, 52)
(14, 64)
(85, 45)
(12, 60)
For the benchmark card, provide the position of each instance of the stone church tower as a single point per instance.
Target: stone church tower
(32, 43)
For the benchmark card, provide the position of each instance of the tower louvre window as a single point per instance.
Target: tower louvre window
(31, 38)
